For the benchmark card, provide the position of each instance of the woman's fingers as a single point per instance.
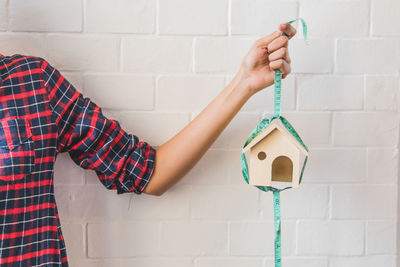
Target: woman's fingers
(277, 35)
(277, 43)
(281, 65)
(281, 53)
(266, 40)
(288, 29)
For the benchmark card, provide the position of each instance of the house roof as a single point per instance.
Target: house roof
(275, 124)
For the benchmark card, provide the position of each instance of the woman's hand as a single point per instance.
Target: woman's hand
(265, 56)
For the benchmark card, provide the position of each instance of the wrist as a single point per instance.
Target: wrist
(241, 87)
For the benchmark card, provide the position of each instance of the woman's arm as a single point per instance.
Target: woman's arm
(179, 154)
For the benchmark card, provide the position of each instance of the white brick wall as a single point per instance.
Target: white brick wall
(169, 87)
(253, 238)
(83, 53)
(157, 54)
(25, 44)
(120, 91)
(381, 92)
(193, 17)
(45, 15)
(324, 19)
(154, 65)
(385, 21)
(352, 55)
(3, 15)
(326, 92)
(220, 54)
(330, 238)
(128, 16)
(260, 17)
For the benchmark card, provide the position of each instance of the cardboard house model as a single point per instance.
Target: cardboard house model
(275, 156)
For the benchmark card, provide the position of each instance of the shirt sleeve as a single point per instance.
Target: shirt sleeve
(120, 160)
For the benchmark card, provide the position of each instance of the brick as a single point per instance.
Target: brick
(172, 205)
(366, 129)
(321, 18)
(66, 171)
(257, 239)
(384, 18)
(69, 52)
(303, 262)
(305, 122)
(193, 238)
(330, 92)
(45, 15)
(121, 91)
(381, 237)
(366, 261)
(263, 101)
(315, 57)
(187, 93)
(157, 54)
(237, 132)
(24, 44)
(193, 17)
(216, 167)
(3, 15)
(228, 262)
(75, 240)
(80, 203)
(382, 93)
(157, 262)
(95, 262)
(336, 166)
(224, 202)
(382, 166)
(261, 16)
(123, 16)
(220, 54)
(142, 262)
(330, 238)
(122, 239)
(359, 56)
(364, 201)
(311, 201)
(154, 127)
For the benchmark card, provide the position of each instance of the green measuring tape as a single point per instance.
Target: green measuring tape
(261, 126)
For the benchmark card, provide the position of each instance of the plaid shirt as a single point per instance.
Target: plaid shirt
(41, 115)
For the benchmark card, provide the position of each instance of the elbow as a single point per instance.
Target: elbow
(158, 185)
(158, 192)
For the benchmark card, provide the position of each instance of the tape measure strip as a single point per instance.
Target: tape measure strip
(277, 104)
(278, 74)
(264, 123)
(277, 222)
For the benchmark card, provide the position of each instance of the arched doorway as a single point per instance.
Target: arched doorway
(282, 169)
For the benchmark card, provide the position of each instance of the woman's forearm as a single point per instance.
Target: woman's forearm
(179, 154)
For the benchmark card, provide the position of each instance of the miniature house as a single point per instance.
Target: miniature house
(275, 156)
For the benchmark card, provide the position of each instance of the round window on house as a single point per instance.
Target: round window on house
(261, 155)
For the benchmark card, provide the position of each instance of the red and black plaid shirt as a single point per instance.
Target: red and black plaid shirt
(41, 115)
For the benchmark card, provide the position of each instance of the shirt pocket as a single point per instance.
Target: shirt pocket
(17, 153)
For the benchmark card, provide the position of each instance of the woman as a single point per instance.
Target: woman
(42, 114)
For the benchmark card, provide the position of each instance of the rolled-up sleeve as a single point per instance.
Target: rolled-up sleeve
(120, 160)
